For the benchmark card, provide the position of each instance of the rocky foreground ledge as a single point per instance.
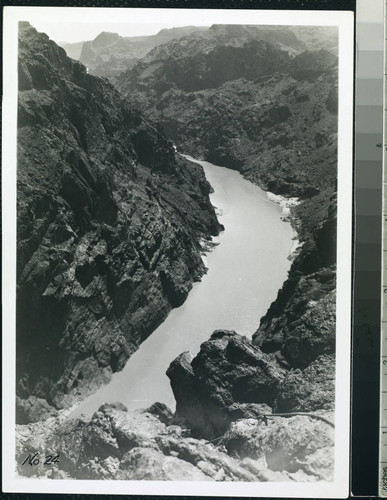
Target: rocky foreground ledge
(231, 378)
(226, 426)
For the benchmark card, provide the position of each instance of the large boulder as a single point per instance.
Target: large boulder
(113, 431)
(229, 369)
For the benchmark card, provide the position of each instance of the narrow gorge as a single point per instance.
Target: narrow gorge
(113, 225)
(226, 297)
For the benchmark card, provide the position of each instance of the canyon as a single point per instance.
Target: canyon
(112, 226)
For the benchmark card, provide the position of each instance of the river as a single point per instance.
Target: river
(245, 272)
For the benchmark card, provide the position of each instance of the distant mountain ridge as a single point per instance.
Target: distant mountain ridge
(109, 53)
(224, 53)
(317, 37)
(233, 35)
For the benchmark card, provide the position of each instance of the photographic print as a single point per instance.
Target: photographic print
(178, 235)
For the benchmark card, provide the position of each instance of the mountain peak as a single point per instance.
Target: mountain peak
(106, 37)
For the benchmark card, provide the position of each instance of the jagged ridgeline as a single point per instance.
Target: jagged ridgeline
(108, 229)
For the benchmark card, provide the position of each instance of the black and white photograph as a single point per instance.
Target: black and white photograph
(178, 185)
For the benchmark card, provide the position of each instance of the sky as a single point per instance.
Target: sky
(80, 24)
(77, 24)
(80, 32)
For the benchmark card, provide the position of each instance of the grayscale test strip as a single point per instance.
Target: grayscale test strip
(368, 394)
(383, 343)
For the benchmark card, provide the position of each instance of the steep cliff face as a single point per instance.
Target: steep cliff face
(300, 325)
(109, 223)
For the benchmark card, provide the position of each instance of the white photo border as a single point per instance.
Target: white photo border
(344, 20)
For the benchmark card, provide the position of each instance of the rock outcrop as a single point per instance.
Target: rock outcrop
(300, 325)
(310, 389)
(229, 369)
(109, 224)
(231, 379)
(300, 445)
(243, 399)
(123, 445)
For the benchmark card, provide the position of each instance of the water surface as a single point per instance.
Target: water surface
(245, 272)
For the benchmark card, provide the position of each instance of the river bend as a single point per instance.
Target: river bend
(245, 272)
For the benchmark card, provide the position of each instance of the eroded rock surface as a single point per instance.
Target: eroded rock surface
(231, 379)
(292, 444)
(137, 445)
(218, 384)
(310, 389)
(109, 225)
